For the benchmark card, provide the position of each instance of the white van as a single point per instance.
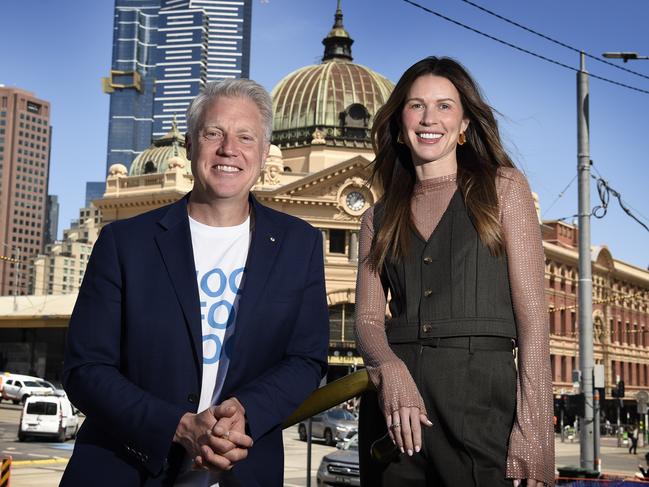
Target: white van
(17, 388)
(48, 416)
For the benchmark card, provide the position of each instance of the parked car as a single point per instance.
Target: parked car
(55, 388)
(18, 388)
(48, 416)
(341, 467)
(331, 426)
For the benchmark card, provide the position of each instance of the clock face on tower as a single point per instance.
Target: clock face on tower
(355, 201)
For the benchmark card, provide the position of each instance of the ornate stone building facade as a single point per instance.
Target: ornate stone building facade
(620, 312)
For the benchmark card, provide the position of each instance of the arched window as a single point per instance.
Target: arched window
(149, 167)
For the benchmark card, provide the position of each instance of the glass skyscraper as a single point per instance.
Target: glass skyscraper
(164, 51)
(131, 80)
(198, 41)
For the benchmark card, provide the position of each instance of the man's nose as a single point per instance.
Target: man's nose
(226, 147)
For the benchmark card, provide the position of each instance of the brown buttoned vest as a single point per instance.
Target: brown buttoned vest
(448, 286)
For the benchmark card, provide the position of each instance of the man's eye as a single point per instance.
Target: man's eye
(211, 134)
(444, 106)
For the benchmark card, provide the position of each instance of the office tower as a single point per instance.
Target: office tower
(94, 191)
(198, 41)
(51, 219)
(164, 51)
(131, 81)
(25, 137)
(60, 269)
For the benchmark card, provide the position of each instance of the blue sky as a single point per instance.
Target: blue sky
(60, 50)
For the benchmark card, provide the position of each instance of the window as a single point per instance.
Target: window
(45, 408)
(337, 241)
(341, 322)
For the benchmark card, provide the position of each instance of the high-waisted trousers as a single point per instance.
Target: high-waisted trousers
(470, 397)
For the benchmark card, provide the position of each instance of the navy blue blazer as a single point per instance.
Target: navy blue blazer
(134, 346)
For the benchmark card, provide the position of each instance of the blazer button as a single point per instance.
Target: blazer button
(428, 260)
(192, 398)
(426, 328)
(428, 293)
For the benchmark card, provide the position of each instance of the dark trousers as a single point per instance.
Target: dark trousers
(470, 396)
(634, 446)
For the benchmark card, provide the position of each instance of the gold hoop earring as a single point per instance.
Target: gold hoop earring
(399, 139)
(461, 140)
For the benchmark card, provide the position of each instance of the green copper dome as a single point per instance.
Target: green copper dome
(336, 98)
(165, 151)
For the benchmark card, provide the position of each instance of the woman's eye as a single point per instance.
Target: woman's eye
(444, 106)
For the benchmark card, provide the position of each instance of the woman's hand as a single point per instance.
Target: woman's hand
(404, 426)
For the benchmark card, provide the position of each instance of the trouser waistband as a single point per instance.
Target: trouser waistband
(471, 343)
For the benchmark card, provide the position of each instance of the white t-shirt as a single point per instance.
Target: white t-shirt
(220, 255)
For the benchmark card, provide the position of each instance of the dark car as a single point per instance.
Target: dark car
(331, 426)
(341, 467)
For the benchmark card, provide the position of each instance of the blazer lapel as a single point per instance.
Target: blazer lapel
(175, 245)
(264, 246)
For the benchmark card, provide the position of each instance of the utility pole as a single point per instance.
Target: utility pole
(586, 359)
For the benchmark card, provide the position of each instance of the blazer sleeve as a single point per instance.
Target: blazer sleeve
(272, 397)
(143, 424)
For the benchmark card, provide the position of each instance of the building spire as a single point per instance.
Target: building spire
(338, 44)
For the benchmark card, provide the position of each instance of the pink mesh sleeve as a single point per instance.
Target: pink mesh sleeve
(388, 373)
(531, 444)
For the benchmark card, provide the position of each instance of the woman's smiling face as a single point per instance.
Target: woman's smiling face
(432, 120)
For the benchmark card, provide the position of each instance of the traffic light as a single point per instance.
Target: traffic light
(574, 404)
(618, 390)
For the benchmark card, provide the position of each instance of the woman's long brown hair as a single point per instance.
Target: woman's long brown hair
(478, 161)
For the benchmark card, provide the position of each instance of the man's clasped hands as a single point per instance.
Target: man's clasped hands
(215, 439)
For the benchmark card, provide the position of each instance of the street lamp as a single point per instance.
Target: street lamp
(625, 56)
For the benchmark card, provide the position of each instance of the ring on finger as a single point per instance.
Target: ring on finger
(394, 426)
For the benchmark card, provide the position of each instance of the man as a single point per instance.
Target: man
(200, 326)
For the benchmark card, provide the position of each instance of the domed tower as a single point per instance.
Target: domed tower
(165, 153)
(327, 105)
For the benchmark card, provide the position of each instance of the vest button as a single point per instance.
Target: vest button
(426, 328)
(428, 293)
(192, 398)
(428, 260)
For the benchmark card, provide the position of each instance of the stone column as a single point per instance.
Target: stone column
(353, 247)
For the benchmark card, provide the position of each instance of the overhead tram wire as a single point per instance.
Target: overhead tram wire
(548, 38)
(605, 191)
(599, 174)
(521, 49)
(560, 195)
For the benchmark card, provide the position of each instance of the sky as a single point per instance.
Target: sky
(60, 50)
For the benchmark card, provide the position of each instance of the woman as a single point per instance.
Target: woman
(455, 239)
